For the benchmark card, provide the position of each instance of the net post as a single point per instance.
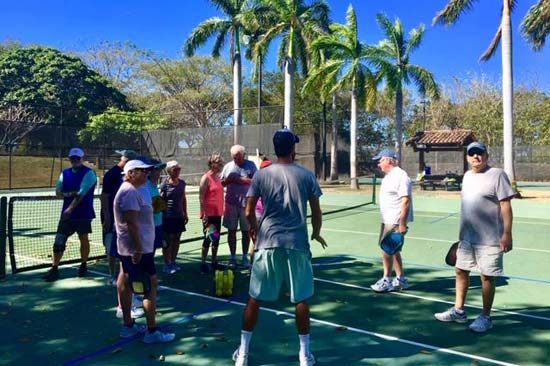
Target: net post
(374, 190)
(3, 220)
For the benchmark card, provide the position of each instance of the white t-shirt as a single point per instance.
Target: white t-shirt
(130, 198)
(395, 185)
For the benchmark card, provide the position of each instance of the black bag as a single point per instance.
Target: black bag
(450, 258)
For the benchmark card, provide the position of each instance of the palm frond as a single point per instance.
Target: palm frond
(535, 26)
(424, 81)
(415, 39)
(200, 35)
(228, 7)
(220, 42)
(490, 51)
(450, 14)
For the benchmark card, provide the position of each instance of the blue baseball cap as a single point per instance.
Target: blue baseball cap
(128, 154)
(385, 154)
(283, 141)
(477, 145)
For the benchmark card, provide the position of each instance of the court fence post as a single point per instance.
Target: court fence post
(374, 190)
(3, 220)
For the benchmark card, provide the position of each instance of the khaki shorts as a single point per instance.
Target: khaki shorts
(487, 259)
(234, 216)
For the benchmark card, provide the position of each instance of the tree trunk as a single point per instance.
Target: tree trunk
(398, 122)
(353, 142)
(289, 93)
(334, 145)
(237, 96)
(507, 92)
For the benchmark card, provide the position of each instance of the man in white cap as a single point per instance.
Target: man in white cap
(485, 234)
(135, 228)
(76, 186)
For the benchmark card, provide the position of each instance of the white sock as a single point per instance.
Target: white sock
(245, 341)
(304, 344)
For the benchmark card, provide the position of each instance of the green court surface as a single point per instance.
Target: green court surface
(72, 321)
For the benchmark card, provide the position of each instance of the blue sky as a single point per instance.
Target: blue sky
(164, 25)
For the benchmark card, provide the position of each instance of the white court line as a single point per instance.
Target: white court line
(425, 239)
(405, 294)
(455, 217)
(353, 329)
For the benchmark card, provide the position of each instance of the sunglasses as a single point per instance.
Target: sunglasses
(473, 152)
(141, 170)
(74, 157)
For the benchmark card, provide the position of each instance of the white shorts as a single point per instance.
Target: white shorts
(487, 259)
(234, 216)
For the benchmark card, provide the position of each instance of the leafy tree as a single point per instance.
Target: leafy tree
(298, 24)
(102, 126)
(54, 86)
(344, 70)
(192, 92)
(392, 59)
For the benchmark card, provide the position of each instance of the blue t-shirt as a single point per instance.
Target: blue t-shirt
(285, 190)
(235, 193)
(112, 180)
(155, 195)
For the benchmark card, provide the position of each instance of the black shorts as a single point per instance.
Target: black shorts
(71, 226)
(146, 264)
(213, 220)
(173, 225)
(158, 237)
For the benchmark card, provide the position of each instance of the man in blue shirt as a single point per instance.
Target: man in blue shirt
(282, 247)
(76, 186)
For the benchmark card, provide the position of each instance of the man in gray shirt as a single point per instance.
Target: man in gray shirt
(282, 247)
(485, 234)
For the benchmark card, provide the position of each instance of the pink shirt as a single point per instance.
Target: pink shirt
(213, 197)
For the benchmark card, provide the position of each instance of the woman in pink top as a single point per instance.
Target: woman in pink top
(211, 209)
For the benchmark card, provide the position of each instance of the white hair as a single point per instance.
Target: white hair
(236, 149)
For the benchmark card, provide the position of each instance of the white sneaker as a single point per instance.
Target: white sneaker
(137, 302)
(382, 285)
(241, 359)
(451, 315)
(482, 324)
(307, 361)
(111, 282)
(400, 283)
(135, 313)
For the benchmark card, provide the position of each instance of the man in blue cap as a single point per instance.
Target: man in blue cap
(282, 251)
(485, 234)
(396, 211)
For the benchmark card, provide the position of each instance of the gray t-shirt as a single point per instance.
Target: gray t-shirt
(285, 190)
(235, 193)
(480, 217)
(130, 198)
(173, 195)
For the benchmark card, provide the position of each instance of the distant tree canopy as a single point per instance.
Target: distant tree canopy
(54, 85)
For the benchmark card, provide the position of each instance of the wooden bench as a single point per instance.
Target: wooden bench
(448, 182)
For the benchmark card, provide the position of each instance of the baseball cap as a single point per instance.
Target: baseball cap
(265, 164)
(135, 164)
(171, 164)
(477, 145)
(129, 154)
(385, 154)
(283, 141)
(157, 164)
(75, 151)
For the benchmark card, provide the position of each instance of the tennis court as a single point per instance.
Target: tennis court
(72, 321)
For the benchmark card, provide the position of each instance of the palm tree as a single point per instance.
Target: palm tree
(298, 24)
(535, 26)
(449, 15)
(240, 15)
(344, 70)
(392, 59)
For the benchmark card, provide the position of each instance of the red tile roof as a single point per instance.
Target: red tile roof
(442, 137)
